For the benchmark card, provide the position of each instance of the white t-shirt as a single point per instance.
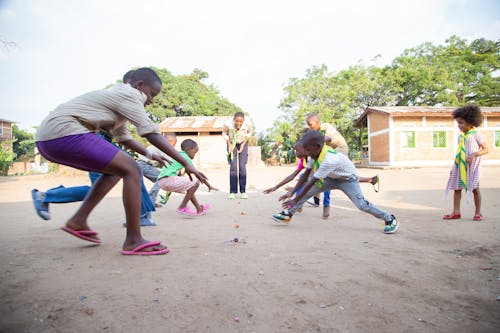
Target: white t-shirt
(336, 166)
(107, 110)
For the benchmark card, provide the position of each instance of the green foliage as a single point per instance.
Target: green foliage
(187, 95)
(6, 159)
(452, 74)
(24, 144)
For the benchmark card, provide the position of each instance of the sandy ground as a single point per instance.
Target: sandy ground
(339, 275)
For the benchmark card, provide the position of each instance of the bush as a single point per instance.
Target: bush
(6, 159)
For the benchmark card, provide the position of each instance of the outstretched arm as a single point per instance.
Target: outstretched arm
(307, 187)
(139, 148)
(288, 179)
(299, 184)
(161, 143)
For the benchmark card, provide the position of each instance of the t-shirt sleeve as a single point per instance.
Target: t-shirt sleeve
(479, 138)
(132, 109)
(249, 130)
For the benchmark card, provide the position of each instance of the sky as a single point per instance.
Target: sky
(250, 49)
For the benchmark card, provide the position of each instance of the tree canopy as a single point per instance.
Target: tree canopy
(187, 95)
(452, 74)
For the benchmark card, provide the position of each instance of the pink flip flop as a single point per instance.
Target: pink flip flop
(137, 250)
(186, 211)
(82, 234)
(478, 217)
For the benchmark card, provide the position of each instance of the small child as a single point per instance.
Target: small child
(332, 170)
(465, 172)
(169, 181)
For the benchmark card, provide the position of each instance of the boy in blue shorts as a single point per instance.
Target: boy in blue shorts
(332, 170)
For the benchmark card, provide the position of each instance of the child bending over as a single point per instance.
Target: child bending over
(169, 181)
(67, 136)
(332, 170)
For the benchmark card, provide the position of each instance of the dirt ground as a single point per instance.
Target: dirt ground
(338, 275)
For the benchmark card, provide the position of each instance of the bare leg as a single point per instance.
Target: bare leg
(121, 166)
(189, 197)
(477, 201)
(96, 193)
(326, 212)
(456, 201)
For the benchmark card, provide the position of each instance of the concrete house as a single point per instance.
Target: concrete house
(420, 136)
(6, 133)
(207, 132)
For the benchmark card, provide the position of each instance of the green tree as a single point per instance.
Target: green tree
(6, 159)
(455, 73)
(187, 95)
(24, 144)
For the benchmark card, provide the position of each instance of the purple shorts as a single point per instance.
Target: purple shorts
(86, 151)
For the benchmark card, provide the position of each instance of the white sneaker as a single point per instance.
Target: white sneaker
(244, 196)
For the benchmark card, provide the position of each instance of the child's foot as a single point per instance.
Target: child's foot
(326, 212)
(231, 196)
(283, 217)
(299, 210)
(453, 216)
(391, 226)
(186, 211)
(478, 217)
(376, 183)
(203, 209)
(41, 208)
(244, 195)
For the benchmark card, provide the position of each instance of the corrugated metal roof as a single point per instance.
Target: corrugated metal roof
(420, 111)
(194, 124)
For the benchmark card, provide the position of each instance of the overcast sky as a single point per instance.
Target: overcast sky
(250, 49)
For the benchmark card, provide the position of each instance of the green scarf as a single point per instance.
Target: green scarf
(460, 157)
(326, 149)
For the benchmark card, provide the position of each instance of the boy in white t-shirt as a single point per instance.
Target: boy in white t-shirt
(332, 170)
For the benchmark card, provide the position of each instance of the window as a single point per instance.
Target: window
(408, 139)
(497, 138)
(439, 139)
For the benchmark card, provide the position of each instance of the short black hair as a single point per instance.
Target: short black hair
(313, 115)
(188, 144)
(126, 77)
(145, 74)
(239, 114)
(313, 138)
(470, 113)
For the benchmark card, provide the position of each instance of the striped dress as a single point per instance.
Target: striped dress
(472, 145)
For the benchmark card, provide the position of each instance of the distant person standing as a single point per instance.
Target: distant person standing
(236, 133)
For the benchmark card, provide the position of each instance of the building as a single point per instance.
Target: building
(6, 136)
(420, 136)
(207, 132)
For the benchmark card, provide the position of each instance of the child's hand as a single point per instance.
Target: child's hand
(470, 157)
(210, 188)
(285, 196)
(269, 190)
(163, 160)
(201, 177)
(288, 204)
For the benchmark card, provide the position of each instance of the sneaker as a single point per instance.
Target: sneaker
(231, 196)
(41, 208)
(391, 226)
(283, 217)
(244, 195)
(312, 202)
(376, 183)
